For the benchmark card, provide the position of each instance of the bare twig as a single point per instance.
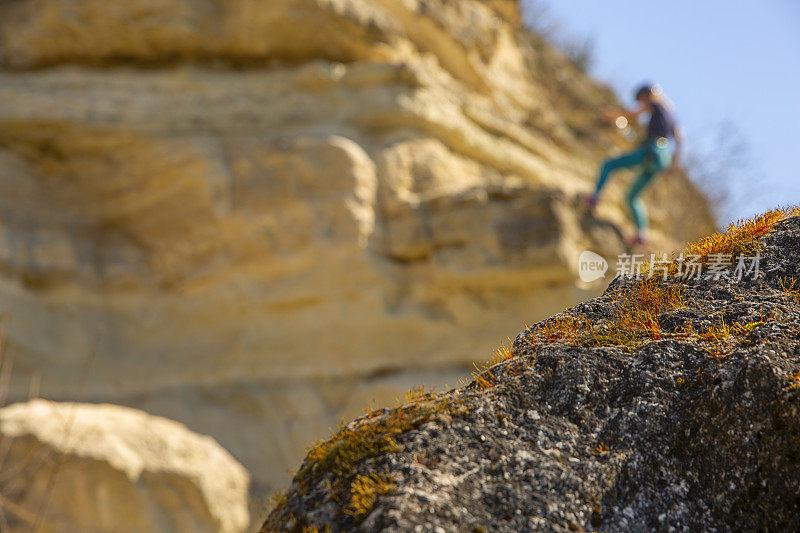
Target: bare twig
(58, 461)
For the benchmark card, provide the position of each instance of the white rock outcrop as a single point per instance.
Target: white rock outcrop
(71, 467)
(261, 215)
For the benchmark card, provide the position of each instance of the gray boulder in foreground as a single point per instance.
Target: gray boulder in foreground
(694, 425)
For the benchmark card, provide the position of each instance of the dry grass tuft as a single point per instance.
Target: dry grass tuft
(338, 457)
(718, 339)
(794, 381)
(482, 376)
(370, 437)
(791, 288)
(637, 307)
(365, 490)
(638, 304)
(740, 237)
(277, 500)
(602, 449)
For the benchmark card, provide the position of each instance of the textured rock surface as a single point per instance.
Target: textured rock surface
(681, 432)
(97, 468)
(264, 214)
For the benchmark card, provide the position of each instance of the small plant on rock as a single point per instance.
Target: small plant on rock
(365, 490)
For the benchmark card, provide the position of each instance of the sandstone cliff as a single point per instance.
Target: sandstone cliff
(266, 214)
(659, 406)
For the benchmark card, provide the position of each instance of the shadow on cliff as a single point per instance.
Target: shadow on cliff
(599, 229)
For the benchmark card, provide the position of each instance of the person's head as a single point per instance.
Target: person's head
(648, 93)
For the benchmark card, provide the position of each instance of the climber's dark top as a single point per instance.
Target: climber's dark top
(661, 122)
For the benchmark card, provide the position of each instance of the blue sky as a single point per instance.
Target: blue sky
(734, 61)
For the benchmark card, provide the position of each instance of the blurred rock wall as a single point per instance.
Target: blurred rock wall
(258, 216)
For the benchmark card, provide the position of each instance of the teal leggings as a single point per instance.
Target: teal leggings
(653, 157)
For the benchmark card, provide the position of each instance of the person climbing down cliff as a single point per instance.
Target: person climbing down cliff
(652, 156)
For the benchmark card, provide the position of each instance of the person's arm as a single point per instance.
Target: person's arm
(633, 115)
(612, 114)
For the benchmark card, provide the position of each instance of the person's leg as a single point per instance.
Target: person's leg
(636, 205)
(654, 162)
(631, 159)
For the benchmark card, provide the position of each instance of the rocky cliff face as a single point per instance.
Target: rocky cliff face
(659, 406)
(266, 214)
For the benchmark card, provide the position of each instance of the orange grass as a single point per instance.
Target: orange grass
(365, 490)
(636, 311)
(601, 449)
(794, 381)
(370, 437)
(482, 376)
(638, 305)
(740, 237)
(791, 288)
